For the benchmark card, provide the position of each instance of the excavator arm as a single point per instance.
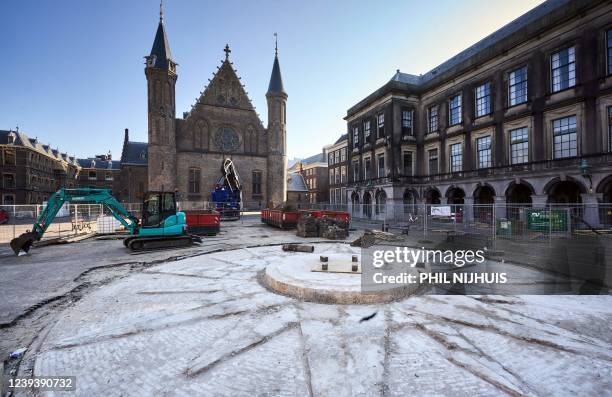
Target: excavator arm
(62, 196)
(230, 175)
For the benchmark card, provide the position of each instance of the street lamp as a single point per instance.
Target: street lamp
(585, 170)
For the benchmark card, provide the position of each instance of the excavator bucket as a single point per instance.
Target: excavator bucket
(23, 243)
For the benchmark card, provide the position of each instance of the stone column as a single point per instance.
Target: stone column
(468, 210)
(391, 208)
(500, 207)
(539, 200)
(590, 202)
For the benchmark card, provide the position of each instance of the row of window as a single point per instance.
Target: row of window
(337, 175)
(564, 144)
(337, 196)
(93, 175)
(562, 76)
(336, 156)
(367, 167)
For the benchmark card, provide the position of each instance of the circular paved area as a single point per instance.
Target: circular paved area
(293, 275)
(205, 326)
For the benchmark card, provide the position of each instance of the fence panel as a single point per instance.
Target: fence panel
(508, 221)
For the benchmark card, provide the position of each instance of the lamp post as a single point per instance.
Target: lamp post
(585, 170)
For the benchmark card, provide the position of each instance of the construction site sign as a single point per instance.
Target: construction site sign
(554, 220)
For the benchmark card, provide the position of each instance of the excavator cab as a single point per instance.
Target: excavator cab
(157, 207)
(162, 225)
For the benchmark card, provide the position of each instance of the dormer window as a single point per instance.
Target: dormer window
(151, 60)
(143, 155)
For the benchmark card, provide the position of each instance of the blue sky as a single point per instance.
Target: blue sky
(72, 71)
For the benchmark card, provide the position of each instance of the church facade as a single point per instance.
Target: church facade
(186, 154)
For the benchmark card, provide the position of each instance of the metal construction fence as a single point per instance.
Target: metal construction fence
(488, 220)
(71, 220)
(503, 221)
(75, 219)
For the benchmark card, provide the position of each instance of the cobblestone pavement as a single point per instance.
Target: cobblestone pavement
(205, 326)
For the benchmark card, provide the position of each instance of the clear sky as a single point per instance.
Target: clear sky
(71, 71)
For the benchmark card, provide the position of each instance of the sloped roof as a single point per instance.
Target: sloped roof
(225, 89)
(161, 48)
(22, 140)
(317, 158)
(296, 183)
(342, 138)
(99, 164)
(135, 153)
(276, 79)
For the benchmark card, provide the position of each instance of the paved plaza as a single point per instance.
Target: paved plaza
(206, 326)
(200, 321)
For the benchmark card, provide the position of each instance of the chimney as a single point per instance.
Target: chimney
(126, 136)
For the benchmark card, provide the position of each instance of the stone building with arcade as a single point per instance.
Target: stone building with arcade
(523, 117)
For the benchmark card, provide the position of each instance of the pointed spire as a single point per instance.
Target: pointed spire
(160, 52)
(276, 80)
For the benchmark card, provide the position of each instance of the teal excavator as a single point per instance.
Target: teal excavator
(162, 225)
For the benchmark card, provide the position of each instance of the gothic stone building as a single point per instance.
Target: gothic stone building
(508, 121)
(186, 154)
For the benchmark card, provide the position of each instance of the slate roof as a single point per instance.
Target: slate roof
(99, 164)
(133, 153)
(21, 139)
(342, 138)
(317, 158)
(161, 48)
(296, 183)
(276, 80)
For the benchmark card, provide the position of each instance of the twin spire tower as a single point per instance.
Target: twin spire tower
(164, 174)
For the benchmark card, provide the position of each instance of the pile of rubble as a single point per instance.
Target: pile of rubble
(329, 228)
(373, 237)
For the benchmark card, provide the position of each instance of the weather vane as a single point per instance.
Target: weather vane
(276, 43)
(161, 10)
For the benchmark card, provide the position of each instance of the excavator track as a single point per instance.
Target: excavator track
(152, 243)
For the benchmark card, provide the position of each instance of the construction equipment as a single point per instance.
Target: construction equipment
(162, 225)
(227, 195)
